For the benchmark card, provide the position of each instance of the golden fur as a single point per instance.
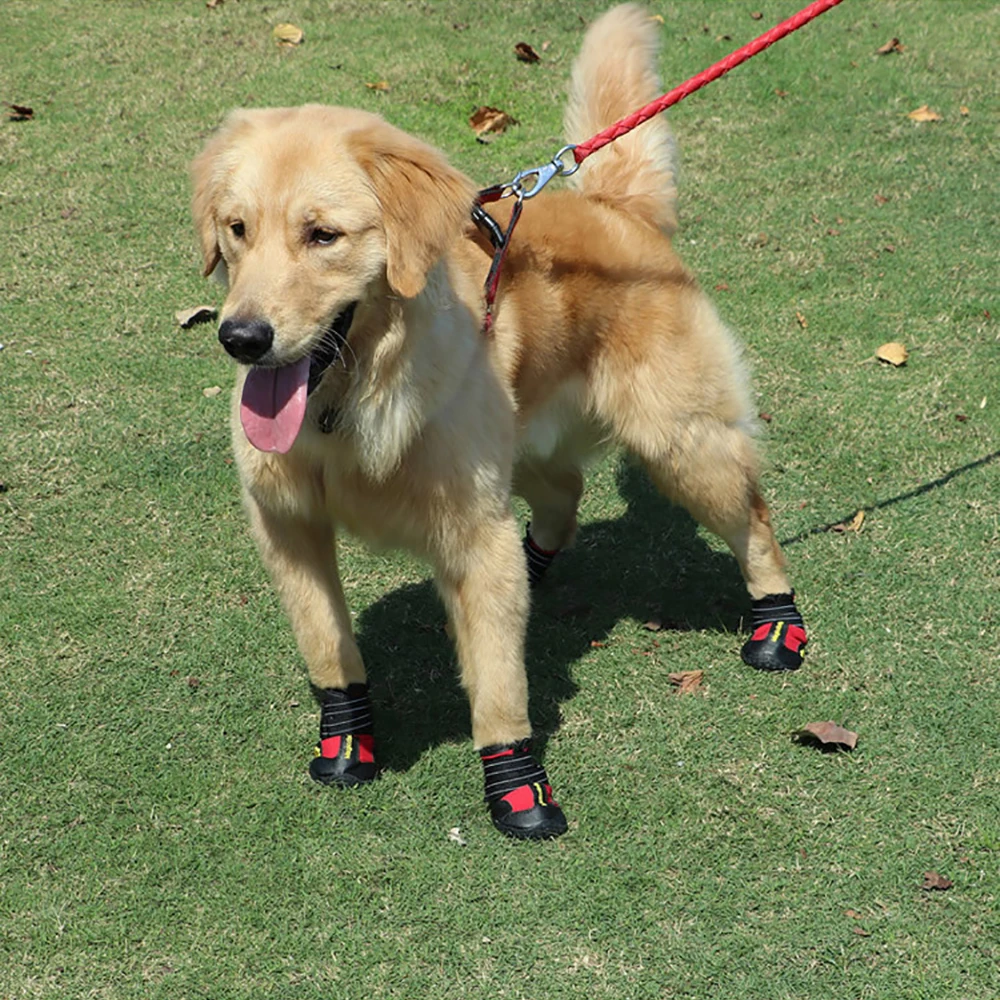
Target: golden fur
(600, 335)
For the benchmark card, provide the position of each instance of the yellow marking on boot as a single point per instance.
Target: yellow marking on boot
(347, 745)
(776, 634)
(540, 792)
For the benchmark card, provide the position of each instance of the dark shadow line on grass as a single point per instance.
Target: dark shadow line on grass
(899, 498)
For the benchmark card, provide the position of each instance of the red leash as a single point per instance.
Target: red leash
(557, 167)
(581, 152)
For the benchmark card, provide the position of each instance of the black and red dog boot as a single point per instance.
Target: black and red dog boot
(539, 559)
(778, 635)
(345, 754)
(519, 794)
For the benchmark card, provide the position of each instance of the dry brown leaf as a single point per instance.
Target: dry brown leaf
(288, 34)
(487, 121)
(924, 114)
(766, 417)
(853, 525)
(861, 932)
(853, 914)
(893, 353)
(378, 85)
(933, 881)
(687, 681)
(19, 112)
(963, 111)
(198, 314)
(756, 15)
(212, 390)
(526, 53)
(653, 625)
(890, 46)
(827, 734)
(802, 321)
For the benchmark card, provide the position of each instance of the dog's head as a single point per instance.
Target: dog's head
(310, 213)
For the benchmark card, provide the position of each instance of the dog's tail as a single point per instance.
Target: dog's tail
(614, 75)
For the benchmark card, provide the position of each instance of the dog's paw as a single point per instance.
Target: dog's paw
(529, 813)
(539, 560)
(778, 636)
(776, 646)
(347, 761)
(519, 794)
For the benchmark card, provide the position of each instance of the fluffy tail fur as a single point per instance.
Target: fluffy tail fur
(614, 75)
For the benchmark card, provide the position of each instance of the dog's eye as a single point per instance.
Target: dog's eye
(237, 229)
(322, 236)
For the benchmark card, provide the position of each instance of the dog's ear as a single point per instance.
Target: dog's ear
(425, 202)
(205, 179)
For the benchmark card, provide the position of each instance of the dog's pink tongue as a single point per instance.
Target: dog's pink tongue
(274, 405)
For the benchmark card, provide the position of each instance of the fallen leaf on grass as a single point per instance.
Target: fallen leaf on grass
(893, 353)
(963, 111)
(19, 112)
(687, 681)
(890, 46)
(802, 321)
(861, 932)
(526, 53)
(933, 881)
(212, 390)
(198, 314)
(653, 625)
(756, 15)
(853, 525)
(827, 734)
(455, 836)
(766, 417)
(378, 85)
(490, 121)
(288, 34)
(924, 114)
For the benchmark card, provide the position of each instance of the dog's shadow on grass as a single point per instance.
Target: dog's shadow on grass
(650, 563)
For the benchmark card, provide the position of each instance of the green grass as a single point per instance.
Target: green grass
(159, 835)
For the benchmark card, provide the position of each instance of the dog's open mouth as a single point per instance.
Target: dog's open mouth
(273, 405)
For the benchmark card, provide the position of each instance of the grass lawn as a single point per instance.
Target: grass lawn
(159, 834)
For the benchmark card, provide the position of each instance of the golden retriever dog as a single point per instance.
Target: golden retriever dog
(371, 399)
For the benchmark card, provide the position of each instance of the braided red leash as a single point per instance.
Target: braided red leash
(584, 149)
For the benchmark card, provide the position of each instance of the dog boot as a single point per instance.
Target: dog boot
(778, 634)
(519, 794)
(539, 559)
(345, 754)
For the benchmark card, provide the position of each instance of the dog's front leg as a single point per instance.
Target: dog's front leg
(301, 556)
(483, 582)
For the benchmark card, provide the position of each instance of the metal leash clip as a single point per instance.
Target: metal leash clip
(556, 167)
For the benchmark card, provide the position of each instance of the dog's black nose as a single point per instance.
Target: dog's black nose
(247, 340)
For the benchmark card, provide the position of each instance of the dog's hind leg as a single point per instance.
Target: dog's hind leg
(711, 468)
(553, 492)
(482, 581)
(301, 557)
